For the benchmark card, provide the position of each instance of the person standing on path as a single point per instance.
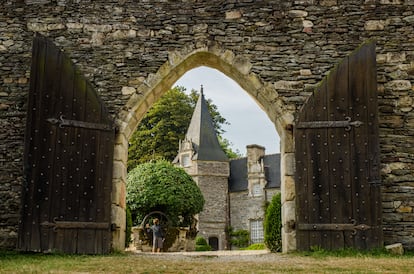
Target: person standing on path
(157, 236)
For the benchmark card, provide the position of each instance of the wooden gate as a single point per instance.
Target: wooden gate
(337, 159)
(66, 199)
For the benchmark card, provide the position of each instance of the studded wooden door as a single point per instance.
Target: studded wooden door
(337, 159)
(68, 159)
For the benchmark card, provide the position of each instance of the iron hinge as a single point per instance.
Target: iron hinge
(62, 122)
(75, 225)
(336, 227)
(347, 124)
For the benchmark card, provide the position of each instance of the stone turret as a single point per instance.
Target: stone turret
(201, 155)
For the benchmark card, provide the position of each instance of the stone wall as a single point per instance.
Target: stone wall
(244, 208)
(212, 179)
(133, 51)
(182, 242)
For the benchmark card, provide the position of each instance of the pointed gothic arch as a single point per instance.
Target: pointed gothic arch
(235, 67)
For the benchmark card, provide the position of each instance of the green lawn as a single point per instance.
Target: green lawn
(12, 262)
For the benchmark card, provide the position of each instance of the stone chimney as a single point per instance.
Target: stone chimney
(255, 170)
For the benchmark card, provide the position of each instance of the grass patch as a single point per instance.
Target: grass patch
(258, 246)
(318, 252)
(21, 262)
(348, 261)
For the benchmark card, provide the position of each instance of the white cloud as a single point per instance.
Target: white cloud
(249, 124)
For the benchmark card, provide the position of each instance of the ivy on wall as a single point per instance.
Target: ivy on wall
(239, 238)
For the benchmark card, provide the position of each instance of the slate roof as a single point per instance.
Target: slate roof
(203, 135)
(272, 170)
(238, 173)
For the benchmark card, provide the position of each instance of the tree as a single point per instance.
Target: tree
(159, 132)
(160, 186)
(226, 146)
(273, 224)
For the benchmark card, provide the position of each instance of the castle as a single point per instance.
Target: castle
(235, 190)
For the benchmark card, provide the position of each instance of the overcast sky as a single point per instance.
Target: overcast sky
(249, 124)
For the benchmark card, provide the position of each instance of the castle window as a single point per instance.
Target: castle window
(257, 190)
(185, 160)
(256, 231)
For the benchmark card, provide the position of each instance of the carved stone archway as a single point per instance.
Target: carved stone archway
(239, 69)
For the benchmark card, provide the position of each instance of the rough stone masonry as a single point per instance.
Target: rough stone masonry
(133, 51)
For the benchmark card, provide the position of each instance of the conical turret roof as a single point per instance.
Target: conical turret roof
(203, 135)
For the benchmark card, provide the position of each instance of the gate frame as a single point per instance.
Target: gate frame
(235, 67)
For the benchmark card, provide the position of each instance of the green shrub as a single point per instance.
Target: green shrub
(273, 224)
(201, 244)
(160, 186)
(258, 246)
(239, 238)
(203, 248)
(200, 241)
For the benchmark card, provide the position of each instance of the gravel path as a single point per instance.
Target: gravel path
(234, 255)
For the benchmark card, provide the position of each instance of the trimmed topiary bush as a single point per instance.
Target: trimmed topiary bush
(273, 224)
(200, 241)
(201, 244)
(160, 186)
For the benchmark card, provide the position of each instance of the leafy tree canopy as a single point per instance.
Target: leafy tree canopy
(159, 132)
(160, 186)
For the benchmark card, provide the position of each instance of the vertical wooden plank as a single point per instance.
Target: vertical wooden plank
(358, 93)
(315, 238)
(338, 155)
(72, 137)
(372, 179)
(302, 236)
(313, 200)
(47, 176)
(64, 145)
(88, 201)
(105, 164)
(363, 80)
(103, 178)
(374, 151)
(99, 192)
(33, 229)
(320, 163)
(85, 239)
(39, 177)
(81, 140)
(23, 235)
(302, 188)
(30, 142)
